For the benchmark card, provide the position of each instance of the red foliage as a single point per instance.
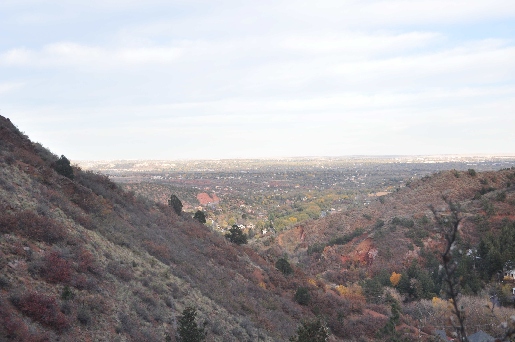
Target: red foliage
(87, 262)
(8, 222)
(31, 225)
(56, 269)
(121, 271)
(10, 326)
(161, 252)
(43, 309)
(29, 157)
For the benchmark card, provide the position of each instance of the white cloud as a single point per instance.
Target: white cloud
(7, 87)
(345, 73)
(65, 54)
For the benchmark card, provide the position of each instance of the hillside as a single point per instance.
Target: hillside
(362, 249)
(82, 260)
(404, 217)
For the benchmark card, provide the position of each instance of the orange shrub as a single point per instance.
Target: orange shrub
(395, 278)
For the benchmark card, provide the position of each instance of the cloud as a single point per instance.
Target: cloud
(8, 87)
(65, 54)
(347, 74)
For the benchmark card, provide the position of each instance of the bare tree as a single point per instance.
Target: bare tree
(449, 225)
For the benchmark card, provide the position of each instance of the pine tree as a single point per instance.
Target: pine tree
(200, 216)
(176, 204)
(315, 331)
(284, 266)
(188, 330)
(236, 236)
(62, 166)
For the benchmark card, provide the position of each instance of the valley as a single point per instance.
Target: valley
(276, 194)
(353, 248)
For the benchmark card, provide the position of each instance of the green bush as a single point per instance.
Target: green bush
(404, 222)
(236, 235)
(341, 240)
(284, 266)
(62, 166)
(315, 331)
(302, 296)
(316, 248)
(200, 216)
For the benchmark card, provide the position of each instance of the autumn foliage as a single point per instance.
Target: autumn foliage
(395, 278)
(44, 309)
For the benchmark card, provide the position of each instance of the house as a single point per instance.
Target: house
(509, 274)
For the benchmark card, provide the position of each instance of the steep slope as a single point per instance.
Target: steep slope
(82, 260)
(392, 249)
(393, 226)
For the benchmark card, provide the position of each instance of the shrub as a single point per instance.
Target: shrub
(87, 262)
(501, 197)
(404, 222)
(284, 266)
(12, 328)
(200, 216)
(67, 293)
(236, 235)
(316, 248)
(31, 225)
(341, 240)
(4, 282)
(302, 296)
(62, 166)
(43, 309)
(472, 172)
(315, 331)
(56, 269)
(161, 252)
(120, 271)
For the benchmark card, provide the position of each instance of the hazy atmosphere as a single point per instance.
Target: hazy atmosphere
(229, 79)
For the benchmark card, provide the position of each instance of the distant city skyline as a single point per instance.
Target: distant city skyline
(174, 80)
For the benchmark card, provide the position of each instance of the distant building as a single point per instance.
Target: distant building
(510, 274)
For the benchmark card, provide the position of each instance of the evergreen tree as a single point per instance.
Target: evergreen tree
(188, 330)
(302, 296)
(389, 328)
(62, 166)
(284, 266)
(200, 216)
(236, 236)
(315, 331)
(176, 204)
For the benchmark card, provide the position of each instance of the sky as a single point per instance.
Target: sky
(176, 79)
